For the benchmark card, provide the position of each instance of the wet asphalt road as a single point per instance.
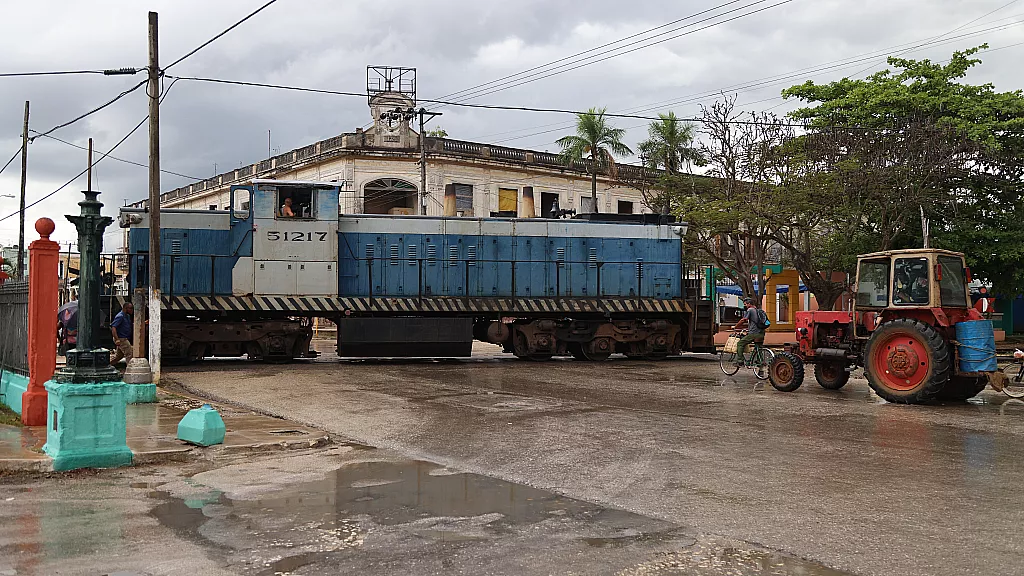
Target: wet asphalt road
(836, 477)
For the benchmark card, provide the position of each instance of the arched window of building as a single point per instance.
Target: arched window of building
(390, 196)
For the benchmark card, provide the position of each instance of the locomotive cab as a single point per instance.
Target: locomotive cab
(294, 239)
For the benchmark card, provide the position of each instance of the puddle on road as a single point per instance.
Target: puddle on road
(419, 517)
(370, 511)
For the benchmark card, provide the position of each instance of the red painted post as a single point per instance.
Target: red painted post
(44, 258)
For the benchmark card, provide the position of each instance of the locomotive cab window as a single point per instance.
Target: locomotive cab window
(873, 283)
(296, 202)
(910, 286)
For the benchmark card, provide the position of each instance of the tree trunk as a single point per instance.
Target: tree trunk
(593, 189)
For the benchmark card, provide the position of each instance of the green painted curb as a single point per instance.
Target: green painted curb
(12, 386)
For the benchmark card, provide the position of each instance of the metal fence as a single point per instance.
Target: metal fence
(14, 327)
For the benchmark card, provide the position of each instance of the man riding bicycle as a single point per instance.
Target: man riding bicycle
(754, 322)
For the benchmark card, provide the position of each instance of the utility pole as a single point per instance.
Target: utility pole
(268, 144)
(423, 159)
(154, 200)
(24, 180)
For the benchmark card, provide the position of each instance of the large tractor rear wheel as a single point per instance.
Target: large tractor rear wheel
(831, 375)
(960, 388)
(907, 361)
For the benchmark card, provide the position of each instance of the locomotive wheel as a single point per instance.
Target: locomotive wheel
(598, 349)
(831, 375)
(907, 361)
(521, 349)
(786, 372)
(960, 388)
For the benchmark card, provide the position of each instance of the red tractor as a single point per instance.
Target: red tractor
(912, 329)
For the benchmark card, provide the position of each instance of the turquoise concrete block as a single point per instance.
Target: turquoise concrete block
(12, 386)
(86, 425)
(202, 426)
(140, 393)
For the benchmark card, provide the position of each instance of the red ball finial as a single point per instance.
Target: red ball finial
(45, 227)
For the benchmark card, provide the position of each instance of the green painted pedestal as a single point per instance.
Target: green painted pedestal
(140, 393)
(85, 425)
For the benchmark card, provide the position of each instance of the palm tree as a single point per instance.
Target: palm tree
(595, 141)
(669, 146)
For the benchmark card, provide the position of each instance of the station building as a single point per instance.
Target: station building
(378, 170)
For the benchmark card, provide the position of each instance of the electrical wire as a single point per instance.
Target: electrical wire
(764, 82)
(100, 159)
(553, 62)
(91, 112)
(228, 29)
(534, 78)
(460, 104)
(79, 175)
(133, 163)
(16, 154)
(60, 73)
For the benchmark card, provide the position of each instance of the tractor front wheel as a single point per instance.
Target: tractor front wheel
(786, 372)
(907, 361)
(831, 375)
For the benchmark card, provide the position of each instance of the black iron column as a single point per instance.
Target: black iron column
(87, 362)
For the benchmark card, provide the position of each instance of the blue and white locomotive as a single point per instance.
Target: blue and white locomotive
(249, 280)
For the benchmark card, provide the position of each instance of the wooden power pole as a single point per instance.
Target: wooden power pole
(21, 214)
(154, 200)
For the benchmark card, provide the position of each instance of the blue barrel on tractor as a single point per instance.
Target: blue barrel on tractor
(976, 344)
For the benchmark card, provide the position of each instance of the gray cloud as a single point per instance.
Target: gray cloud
(454, 44)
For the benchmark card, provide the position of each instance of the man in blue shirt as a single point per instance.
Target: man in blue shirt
(121, 329)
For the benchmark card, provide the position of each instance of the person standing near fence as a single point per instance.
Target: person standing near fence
(121, 329)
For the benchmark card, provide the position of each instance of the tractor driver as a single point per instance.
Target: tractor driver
(914, 286)
(755, 331)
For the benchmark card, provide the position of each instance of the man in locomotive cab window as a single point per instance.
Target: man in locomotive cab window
(286, 208)
(752, 321)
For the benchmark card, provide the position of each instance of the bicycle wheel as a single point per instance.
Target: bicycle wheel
(727, 361)
(1014, 386)
(762, 361)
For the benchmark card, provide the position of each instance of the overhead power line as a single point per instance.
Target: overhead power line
(225, 31)
(133, 163)
(463, 104)
(768, 80)
(59, 73)
(79, 175)
(16, 154)
(623, 39)
(620, 51)
(100, 159)
(91, 112)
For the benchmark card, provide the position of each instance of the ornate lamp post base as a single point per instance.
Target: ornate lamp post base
(87, 366)
(86, 421)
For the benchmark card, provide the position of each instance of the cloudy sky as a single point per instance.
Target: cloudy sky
(455, 45)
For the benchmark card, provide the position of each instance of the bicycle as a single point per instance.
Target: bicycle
(1014, 371)
(759, 361)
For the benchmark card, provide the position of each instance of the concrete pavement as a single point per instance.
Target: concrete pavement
(840, 478)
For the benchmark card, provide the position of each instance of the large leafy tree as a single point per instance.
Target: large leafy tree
(595, 144)
(919, 139)
(669, 147)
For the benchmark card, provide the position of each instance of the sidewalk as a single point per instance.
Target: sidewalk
(152, 435)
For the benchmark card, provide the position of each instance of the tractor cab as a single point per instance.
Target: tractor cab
(911, 279)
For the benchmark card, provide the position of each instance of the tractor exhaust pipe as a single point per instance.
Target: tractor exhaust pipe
(832, 353)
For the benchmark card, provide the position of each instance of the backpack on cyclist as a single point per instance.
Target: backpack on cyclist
(762, 320)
